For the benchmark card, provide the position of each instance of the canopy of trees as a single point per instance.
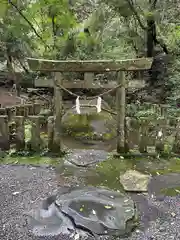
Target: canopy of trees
(84, 29)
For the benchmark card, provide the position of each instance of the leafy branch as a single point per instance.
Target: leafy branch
(133, 9)
(30, 24)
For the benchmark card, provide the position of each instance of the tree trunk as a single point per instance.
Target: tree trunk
(151, 31)
(12, 71)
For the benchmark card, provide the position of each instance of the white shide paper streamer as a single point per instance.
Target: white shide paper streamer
(98, 106)
(78, 106)
(160, 133)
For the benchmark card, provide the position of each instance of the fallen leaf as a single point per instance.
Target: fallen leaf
(128, 210)
(76, 237)
(108, 207)
(173, 214)
(93, 212)
(15, 193)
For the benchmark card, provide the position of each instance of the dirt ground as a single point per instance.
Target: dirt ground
(8, 98)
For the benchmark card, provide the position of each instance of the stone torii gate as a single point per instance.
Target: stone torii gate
(89, 67)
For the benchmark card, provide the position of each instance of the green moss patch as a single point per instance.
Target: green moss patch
(31, 160)
(171, 191)
(109, 171)
(86, 126)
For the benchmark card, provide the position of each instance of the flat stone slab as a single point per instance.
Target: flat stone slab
(134, 181)
(88, 211)
(84, 157)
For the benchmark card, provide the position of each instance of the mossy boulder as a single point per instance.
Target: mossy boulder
(133, 180)
(89, 124)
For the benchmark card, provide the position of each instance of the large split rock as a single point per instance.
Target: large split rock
(88, 211)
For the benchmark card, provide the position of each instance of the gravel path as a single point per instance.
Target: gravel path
(23, 187)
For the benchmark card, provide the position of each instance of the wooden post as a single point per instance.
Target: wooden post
(147, 106)
(29, 110)
(164, 109)
(176, 144)
(160, 134)
(12, 130)
(11, 113)
(20, 133)
(157, 109)
(20, 110)
(143, 135)
(50, 133)
(26, 110)
(121, 108)
(37, 108)
(58, 113)
(126, 134)
(3, 111)
(35, 142)
(4, 133)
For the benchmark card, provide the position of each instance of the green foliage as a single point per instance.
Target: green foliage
(31, 160)
(146, 113)
(55, 29)
(53, 20)
(50, 28)
(174, 83)
(120, 6)
(3, 8)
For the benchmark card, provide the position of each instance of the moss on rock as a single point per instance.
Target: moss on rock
(91, 126)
